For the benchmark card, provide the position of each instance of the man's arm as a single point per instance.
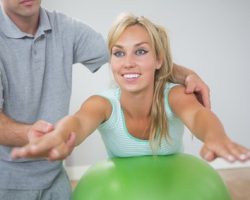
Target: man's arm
(180, 73)
(13, 133)
(193, 84)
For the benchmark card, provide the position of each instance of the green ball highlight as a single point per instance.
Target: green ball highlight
(172, 177)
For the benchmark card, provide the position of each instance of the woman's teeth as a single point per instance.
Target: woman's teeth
(131, 76)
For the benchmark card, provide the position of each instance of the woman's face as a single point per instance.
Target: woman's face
(133, 60)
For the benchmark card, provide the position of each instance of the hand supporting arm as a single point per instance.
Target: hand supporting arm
(16, 134)
(69, 132)
(12, 133)
(194, 84)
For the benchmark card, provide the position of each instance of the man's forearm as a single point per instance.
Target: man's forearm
(180, 74)
(12, 133)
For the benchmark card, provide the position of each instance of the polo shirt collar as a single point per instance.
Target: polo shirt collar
(9, 28)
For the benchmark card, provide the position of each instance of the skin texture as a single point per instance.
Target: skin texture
(25, 14)
(133, 64)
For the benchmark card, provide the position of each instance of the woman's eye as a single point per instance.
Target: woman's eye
(141, 52)
(118, 53)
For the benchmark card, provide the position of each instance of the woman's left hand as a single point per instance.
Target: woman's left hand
(226, 149)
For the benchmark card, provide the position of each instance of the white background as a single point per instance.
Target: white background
(210, 37)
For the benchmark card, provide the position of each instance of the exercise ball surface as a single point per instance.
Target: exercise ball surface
(172, 177)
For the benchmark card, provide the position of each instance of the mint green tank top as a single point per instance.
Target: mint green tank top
(120, 143)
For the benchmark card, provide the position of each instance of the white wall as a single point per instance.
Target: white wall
(211, 37)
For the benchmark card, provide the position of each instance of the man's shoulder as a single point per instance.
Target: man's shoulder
(55, 16)
(64, 21)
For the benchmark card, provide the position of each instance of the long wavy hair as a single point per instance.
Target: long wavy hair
(158, 128)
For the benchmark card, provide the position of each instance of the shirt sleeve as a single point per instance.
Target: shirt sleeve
(90, 48)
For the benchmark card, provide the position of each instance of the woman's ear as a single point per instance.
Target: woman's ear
(159, 63)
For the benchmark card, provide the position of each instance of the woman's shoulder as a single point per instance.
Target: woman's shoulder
(172, 86)
(112, 93)
(169, 93)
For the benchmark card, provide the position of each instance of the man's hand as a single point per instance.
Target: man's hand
(194, 84)
(39, 129)
(35, 132)
(51, 146)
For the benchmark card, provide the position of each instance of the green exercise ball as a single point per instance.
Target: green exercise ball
(173, 177)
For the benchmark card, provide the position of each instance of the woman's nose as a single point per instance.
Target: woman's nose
(129, 61)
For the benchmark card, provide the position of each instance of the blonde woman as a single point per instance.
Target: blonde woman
(145, 114)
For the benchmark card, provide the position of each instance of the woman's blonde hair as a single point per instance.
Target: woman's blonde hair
(160, 42)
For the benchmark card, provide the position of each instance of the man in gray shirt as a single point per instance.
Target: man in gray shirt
(37, 51)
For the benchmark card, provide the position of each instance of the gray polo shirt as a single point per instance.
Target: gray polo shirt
(36, 80)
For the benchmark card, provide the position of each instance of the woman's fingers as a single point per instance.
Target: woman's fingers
(239, 152)
(206, 154)
(229, 151)
(39, 148)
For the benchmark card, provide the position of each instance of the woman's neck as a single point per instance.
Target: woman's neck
(136, 105)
